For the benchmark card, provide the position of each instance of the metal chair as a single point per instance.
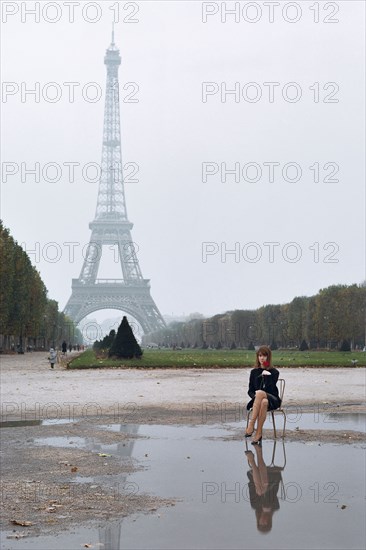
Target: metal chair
(273, 464)
(281, 382)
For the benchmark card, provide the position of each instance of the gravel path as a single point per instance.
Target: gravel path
(30, 389)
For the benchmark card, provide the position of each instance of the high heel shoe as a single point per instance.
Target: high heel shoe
(258, 442)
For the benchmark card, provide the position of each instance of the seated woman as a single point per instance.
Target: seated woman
(263, 392)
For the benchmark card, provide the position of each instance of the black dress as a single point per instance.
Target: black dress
(267, 383)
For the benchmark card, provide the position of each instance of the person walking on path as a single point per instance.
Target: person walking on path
(52, 357)
(263, 392)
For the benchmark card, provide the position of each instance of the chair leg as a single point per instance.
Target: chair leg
(284, 424)
(274, 424)
(273, 453)
(248, 417)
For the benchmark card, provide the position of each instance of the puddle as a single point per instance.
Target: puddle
(320, 420)
(62, 441)
(220, 508)
(312, 494)
(56, 421)
(168, 431)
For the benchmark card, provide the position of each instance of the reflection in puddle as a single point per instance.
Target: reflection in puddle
(264, 483)
(231, 494)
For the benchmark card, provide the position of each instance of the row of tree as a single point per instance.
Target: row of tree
(28, 318)
(332, 318)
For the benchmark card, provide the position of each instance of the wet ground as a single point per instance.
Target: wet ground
(186, 486)
(137, 459)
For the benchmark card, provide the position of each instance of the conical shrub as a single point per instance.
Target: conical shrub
(125, 344)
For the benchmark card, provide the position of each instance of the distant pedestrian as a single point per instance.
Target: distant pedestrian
(64, 347)
(53, 357)
(70, 348)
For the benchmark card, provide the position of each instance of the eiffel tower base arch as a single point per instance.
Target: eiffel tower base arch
(133, 299)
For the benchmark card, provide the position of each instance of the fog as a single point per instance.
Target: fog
(242, 141)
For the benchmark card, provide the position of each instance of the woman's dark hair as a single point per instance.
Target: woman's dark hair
(263, 350)
(264, 520)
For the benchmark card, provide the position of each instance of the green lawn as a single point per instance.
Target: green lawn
(165, 358)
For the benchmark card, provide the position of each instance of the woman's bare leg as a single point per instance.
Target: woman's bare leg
(261, 418)
(259, 396)
(262, 467)
(260, 476)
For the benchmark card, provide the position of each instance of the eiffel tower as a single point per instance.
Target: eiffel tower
(110, 226)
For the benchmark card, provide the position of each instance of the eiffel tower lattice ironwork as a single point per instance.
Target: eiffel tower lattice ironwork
(110, 226)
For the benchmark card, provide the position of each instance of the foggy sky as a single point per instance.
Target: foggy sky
(169, 132)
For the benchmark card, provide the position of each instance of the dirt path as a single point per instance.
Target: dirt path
(31, 390)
